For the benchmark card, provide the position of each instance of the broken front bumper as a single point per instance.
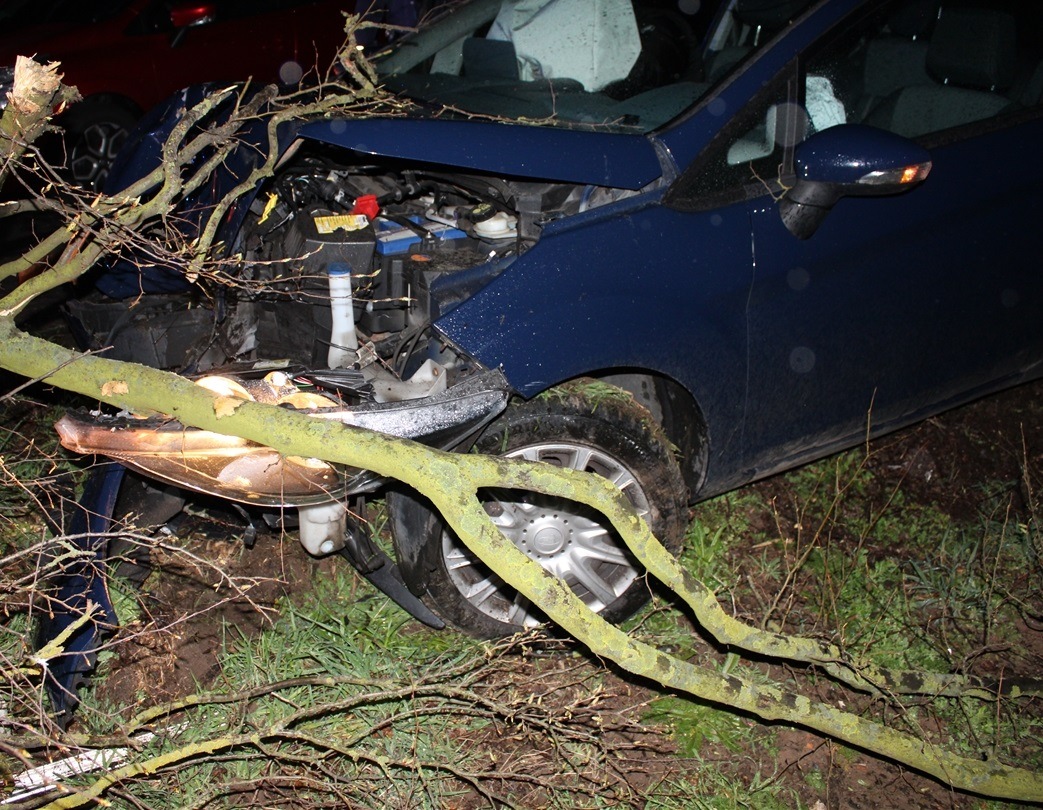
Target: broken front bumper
(240, 470)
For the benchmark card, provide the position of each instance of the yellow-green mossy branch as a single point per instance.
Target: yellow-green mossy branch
(37, 93)
(459, 479)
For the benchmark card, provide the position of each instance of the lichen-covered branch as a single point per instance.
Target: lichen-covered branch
(36, 95)
(459, 478)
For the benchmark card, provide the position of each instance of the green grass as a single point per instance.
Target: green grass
(838, 554)
(366, 651)
(713, 789)
(696, 724)
(593, 391)
(387, 712)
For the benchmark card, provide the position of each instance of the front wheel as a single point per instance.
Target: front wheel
(583, 426)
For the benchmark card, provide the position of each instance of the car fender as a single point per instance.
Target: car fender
(579, 305)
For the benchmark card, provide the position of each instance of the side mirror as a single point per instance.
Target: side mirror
(185, 15)
(850, 160)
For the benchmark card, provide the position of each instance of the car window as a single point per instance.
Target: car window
(785, 123)
(633, 66)
(913, 67)
(920, 67)
(752, 154)
(743, 28)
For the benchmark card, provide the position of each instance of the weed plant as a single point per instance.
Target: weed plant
(892, 579)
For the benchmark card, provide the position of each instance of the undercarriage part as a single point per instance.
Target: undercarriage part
(426, 381)
(367, 558)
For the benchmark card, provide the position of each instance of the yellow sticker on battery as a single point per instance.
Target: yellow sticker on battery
(340, 222)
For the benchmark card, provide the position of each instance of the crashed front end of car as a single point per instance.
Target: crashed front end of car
(240, 470)
(343, 264)
(338, 278)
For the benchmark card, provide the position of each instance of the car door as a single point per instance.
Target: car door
(898, 306)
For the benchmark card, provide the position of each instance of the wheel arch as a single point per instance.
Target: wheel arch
(676, 411)
(671, 405)
(581, 414)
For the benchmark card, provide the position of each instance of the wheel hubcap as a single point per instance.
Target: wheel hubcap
(567, 539)
(93, 153)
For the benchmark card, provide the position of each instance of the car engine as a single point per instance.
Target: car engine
(341, 267)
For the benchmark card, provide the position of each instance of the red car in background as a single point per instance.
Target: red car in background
(125, 56)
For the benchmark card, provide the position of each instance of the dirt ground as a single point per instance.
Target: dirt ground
(942, 461)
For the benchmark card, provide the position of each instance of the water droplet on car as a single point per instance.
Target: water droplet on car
(290, 72)
(802, 359)
(798, 278)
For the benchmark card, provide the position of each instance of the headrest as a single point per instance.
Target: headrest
(973, 47)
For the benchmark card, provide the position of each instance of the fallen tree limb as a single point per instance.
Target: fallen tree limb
(459, 478)
(450, 481)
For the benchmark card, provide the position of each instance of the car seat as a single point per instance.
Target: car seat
(972, 58)
(897, 58)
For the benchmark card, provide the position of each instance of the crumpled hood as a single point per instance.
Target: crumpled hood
(539, 153)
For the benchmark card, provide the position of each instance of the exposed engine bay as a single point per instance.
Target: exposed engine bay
(342, 266)
(406, 238)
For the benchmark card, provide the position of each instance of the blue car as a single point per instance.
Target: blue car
(682, 251)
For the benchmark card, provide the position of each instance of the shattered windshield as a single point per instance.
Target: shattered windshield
(612, 64)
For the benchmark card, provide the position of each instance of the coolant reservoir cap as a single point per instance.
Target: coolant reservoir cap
(482, 212)
(499, 226)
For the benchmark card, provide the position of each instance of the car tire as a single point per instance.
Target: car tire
(95, 131)
(584, 425)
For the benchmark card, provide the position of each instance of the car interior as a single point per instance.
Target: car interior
(913, 68)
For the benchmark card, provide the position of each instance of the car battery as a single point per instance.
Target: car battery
(322, 238)
(401, 251)
(394, 237)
